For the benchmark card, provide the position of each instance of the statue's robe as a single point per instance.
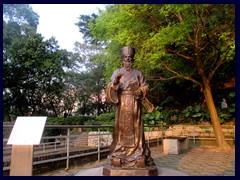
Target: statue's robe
(128, 148)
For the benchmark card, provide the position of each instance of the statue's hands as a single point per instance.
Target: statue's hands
(138, 93)
(117, 78)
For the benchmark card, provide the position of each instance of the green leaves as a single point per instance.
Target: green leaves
(155, 117)
(192, 113)
(157, 31)
(33, 68)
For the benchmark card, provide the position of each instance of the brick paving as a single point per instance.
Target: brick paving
(199, 161)
(196, 161)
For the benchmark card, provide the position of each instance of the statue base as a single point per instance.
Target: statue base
(117, 171)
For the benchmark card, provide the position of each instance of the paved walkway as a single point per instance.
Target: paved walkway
(199, 161)
(196, 161)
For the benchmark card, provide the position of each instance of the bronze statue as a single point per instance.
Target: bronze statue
(129, 154)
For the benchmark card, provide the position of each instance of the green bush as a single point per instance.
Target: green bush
(74, 120)
(106, 118)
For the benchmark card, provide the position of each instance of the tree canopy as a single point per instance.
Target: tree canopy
(176, 41)
(32, 66)
(169, 33)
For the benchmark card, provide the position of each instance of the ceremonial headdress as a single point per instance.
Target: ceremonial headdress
(128, 50)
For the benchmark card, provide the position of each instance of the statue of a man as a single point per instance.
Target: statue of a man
(128, 90)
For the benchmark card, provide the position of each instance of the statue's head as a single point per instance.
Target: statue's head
(128, 53)
(128, 50)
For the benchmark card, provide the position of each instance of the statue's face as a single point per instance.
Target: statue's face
(127, 62)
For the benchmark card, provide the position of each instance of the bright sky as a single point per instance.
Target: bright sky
(58, 20)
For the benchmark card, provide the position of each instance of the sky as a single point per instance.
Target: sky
(58, 20)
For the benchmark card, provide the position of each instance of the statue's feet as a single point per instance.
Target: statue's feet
(116, 162)
(140, 163)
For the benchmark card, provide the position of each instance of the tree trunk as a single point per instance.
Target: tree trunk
(220, 139)
(98, 103)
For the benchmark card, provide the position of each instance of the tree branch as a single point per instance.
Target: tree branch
(180, 18)
(177, 75)
(218, 65)
(179, 54)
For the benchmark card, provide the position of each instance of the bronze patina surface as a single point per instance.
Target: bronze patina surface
(129, 154)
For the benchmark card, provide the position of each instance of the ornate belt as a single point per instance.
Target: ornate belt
(127, 92)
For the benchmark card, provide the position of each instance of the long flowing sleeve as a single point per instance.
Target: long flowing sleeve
(112, 93)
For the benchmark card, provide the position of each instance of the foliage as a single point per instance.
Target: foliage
(32, 67)
(162, 31)
(22, 15)
(169, 102)
(154, 118)
(84, 24)
(180, 41)
(74, 120)
(106, 118)
(85, 77)
(193, 114)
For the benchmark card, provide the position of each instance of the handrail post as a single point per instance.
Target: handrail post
(55, 144)
(148, 135)
(234, 133)
(44, 147)
(68, 147)
(194, 135)
(98, 144)
(162, 131)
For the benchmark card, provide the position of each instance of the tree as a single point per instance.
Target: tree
(32, 67)
(84, 24)
(186, 41)
(86, 77)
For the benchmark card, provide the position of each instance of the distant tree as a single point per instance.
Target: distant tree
(84, 24)
(32, 68)
(86, 77)
(21, 15)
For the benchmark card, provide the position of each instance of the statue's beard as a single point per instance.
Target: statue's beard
(128, 68)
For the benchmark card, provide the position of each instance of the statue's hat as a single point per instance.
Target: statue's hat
(128, 50)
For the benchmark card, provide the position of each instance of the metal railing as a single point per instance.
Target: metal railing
(64, 146)
(65, 143)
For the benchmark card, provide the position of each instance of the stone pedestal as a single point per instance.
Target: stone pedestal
(21, 160)
(113, 171)
(171, 146)
(98, 171)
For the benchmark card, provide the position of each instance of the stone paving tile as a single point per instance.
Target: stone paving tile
(204, 162)
(197, 161)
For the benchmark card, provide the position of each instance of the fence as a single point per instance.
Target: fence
(96, 139)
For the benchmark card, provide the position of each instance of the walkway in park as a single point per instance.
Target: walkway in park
(196, 161)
